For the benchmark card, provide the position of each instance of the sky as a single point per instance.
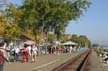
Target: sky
(93, 23)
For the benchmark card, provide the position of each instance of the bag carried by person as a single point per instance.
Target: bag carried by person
(11, 51)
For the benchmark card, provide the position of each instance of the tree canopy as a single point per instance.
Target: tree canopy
(51, 15)
(38, 16)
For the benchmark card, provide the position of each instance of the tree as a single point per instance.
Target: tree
(51, 37)
(95, 45)
(9, 22)
(75, 38)
(13, 31)
(45, 15)
(81, 40)
(65, 37)
(13, 13)
(48, 15)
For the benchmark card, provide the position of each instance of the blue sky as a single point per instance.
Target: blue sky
(93, 23)
(15, 1)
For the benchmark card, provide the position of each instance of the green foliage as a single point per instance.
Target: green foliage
(11, 31)
(13, 13)
(81, 40)
(41, 16)
(9, 22)
(51, 15)
(65, 38)
(51, 37)
(95, 45)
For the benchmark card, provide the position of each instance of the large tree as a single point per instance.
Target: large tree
(40, 16)
(51, 15)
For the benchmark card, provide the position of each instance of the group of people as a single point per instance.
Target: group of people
(29, 52)
(13, 54)
(61, 49)
(26, 54)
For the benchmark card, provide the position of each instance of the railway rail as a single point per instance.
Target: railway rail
(79, 63)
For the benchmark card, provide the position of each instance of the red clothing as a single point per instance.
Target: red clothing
(25, 49)
(2, 59)
(25, 57)
(58, 49)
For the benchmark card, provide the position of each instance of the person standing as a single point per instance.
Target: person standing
(25, 54)
(16, 55)
(70, 49)
(29, 47)
(58, 50)
(3, 56)
(34, 53)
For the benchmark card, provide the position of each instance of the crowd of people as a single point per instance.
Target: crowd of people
(14, 54)
(28, 53)
(61, 49)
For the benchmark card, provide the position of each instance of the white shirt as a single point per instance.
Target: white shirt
(70, 47)
(29, 50)
(17, 50)
(34, 50)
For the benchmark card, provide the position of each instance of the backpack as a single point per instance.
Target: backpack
(11, 51)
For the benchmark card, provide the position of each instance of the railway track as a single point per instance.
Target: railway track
(79, 63)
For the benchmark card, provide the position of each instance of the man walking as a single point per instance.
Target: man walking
(3, 56)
